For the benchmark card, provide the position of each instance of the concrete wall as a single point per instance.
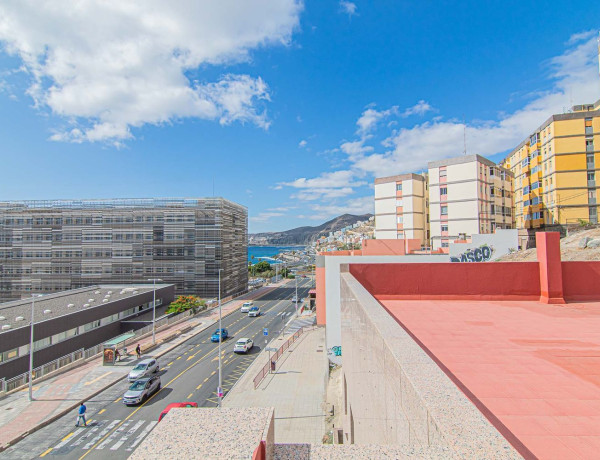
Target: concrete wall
(396, 394)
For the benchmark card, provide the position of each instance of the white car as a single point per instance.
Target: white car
(144, 368)
(243, 346)
(294, 299)
(246, 306)
(254, 311)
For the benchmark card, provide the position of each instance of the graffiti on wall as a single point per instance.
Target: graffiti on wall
(481, 254)
(335, 351)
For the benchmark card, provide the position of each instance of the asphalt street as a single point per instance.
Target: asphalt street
(188, 373)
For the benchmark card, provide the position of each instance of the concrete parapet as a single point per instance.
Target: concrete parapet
(397, 394)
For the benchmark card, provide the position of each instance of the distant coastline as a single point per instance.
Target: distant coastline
(269, 252)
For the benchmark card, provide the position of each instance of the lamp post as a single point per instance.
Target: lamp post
(220, 390)
(154, 280)
(296, 279)
(33, 296)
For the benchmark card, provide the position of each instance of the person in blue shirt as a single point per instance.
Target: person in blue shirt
(81, 415)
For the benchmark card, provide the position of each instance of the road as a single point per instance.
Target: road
(188, 373)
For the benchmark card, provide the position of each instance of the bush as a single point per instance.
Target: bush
(184, 303)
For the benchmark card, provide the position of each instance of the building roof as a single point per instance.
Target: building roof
(534, 367)
(67, 302)
(399, 178)
(464, 159)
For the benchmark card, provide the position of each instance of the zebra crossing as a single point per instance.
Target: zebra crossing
(298, 324)
(125, 437)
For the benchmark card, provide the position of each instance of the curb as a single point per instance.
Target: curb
(96, 393)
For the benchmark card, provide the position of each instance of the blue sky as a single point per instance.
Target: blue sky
(289, 108)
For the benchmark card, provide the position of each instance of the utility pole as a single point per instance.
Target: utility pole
(296, 279)
(220, 389)
(33, 296)
(154, 280)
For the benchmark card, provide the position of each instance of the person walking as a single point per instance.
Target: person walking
(117, 355)
(138, 351)
(81, 415)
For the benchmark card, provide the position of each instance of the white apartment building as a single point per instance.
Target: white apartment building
(401, 207)
(467, 195)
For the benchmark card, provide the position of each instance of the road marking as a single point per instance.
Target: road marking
(190, 395)
(46, 452)
(127, 435)
(213, 372)
(178, 358)
(205, 380)
(170, 363)
(97, 378)
(175, 378)
(141, 436)
(102, 411)
(190, 357)
(117, 400)
(93, 441)
(110, 438)
(67, 436)
(198, 387)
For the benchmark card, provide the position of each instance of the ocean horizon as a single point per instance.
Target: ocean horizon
(269, 252)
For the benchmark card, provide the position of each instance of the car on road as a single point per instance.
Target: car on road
(141, 390)
(219, 333)
(243, 346)
(246, 306)
(143, 369)
(294, 299)
(174, 405)
(254, 311)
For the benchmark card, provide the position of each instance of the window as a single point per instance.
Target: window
(590, 160)
(588, 126)
(444, 210)
(591, 176)
(399, 187)
(443, 172)
(492, 191)
(443, 190)
(589, 145)
(445, 244)
(399, 203)
(400, 219)
(444, 228)
(526, 190)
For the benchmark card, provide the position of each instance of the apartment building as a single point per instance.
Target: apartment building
(51, 246)
(467, 195)
(555, 171)
(401, 207)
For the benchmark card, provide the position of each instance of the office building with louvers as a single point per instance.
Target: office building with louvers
(51, 246)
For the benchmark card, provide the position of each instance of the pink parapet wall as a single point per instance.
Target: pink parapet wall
(548, 255)
(320, 300)
(390, 247)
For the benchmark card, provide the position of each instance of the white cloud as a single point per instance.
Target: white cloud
(106, 67)
(336, 179)
(357, 206)
(266, 216)
(420, 108)
(312, 194)
(348, 7)
(302, 143)
(370, 117)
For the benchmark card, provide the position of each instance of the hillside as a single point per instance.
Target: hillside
(304, 235)
(581, 245)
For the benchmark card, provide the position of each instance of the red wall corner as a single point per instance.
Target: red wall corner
(321, 308)
(550, 267)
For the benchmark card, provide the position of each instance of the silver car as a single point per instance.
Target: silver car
(144, 368)
(246, 307)
(254, 311)
(141, 390)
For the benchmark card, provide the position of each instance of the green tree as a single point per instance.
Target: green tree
(262, 266)
(184, 303)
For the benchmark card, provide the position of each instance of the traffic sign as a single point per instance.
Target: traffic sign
(265, 331)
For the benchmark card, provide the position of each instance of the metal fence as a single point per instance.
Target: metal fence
(23, 379)
(266, 368)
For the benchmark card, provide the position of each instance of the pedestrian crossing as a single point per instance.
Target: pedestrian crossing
(300, 323)
(125, 438)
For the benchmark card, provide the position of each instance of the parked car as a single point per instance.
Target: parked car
(141, 390)
(173, 405)
(144, 368)
(294, 299)
(246, 306)
(254, 311)
(219, 332)
(243, 346)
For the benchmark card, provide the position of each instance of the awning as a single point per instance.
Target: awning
(312, 292)
(119, 339)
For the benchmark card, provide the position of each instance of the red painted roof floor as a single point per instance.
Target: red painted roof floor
(535, 367)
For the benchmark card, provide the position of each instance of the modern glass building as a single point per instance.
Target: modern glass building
(57, 245)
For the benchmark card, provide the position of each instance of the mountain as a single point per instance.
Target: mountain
(304, 235)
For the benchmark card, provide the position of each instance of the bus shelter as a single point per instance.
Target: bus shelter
(109, 349)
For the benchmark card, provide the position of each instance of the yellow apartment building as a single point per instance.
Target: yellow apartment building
(555, 170)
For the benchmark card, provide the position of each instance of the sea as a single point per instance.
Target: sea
(268, 252)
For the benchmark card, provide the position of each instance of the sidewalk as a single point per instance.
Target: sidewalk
(296, 390)
(60, 395)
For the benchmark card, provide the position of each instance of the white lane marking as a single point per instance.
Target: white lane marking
(141, 436)
(127, 435)
(113, 435)
(101, 434)
(69, 439)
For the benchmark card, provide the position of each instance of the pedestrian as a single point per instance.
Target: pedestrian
(81, 415)
(117, 355)
(138, 351)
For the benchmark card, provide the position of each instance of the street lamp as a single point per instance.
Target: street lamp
(220, 389)
(33, 296)
(296, 279)
(154, 280)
